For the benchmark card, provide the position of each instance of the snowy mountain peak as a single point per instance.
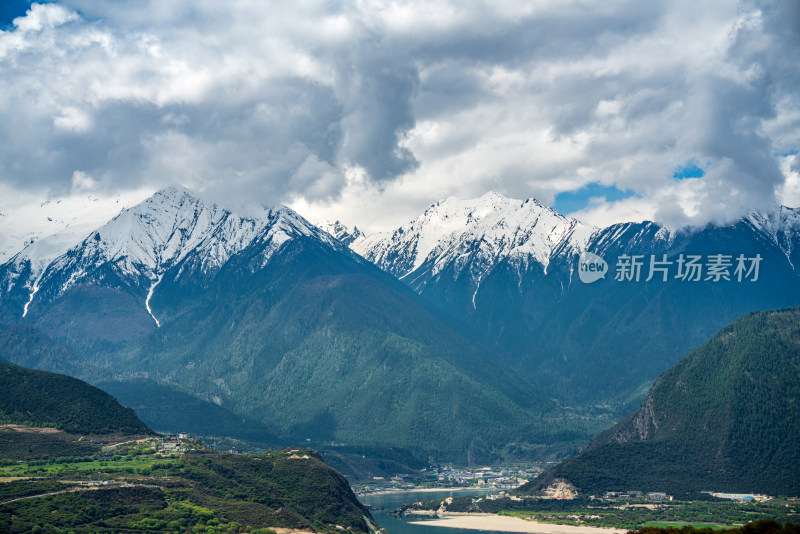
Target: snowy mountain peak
(141, 243)
(152, 234)
(779, 226)
(48, 229)
(173, 191)
(341, 232)
(474, 233)
(780, 218)
(161, 231)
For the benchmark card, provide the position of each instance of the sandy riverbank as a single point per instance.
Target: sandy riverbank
(282, 530)
(512, 524)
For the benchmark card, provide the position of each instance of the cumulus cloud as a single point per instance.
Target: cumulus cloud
(369, 111)
(82, 182)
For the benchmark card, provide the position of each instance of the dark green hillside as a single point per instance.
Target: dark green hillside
(40, 398)
(28, 347)
(725, 418)
(324, 347)
(762, 526)
(166, 409)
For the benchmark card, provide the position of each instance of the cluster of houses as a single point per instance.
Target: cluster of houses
(490, 478)
(448, 477)
(168, 446)
(110, 482)
(292, 454)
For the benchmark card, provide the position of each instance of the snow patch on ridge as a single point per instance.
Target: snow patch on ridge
(57, 224)
(341, 232)
(149, 296)
(34, 290)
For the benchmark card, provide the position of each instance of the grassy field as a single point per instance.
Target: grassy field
(679, 524)
(172, 485)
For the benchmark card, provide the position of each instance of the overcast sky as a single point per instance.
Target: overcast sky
(368, 111)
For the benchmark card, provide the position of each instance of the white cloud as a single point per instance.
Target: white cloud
(789, 193)
(41, 16)
(603, 213)
(72, 120)
(82, 182)
(371, 110)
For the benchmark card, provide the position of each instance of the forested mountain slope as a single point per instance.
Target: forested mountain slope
(724, 418)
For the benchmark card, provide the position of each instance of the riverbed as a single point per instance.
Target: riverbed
(384, 503)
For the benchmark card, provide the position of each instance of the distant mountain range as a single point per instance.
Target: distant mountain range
(461, 334)
(469, 238)
(724, 418)
(275, 320)
(505, 274)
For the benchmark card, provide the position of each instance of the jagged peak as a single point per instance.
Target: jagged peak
(173, 191)
(341, 232)
(450, 229)
(334, 227)
(778, 213)
(174, 219)
(490, 202)
(162, 230)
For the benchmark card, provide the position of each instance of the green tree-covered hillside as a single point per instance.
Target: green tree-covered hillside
(725, 418)
(40, 398)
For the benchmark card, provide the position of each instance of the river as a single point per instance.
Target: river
(399, 525)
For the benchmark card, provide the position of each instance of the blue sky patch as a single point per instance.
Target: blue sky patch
(571, 201)
(11, 9)
(688, 170)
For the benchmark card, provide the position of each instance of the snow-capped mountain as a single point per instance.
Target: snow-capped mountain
(148, 239)
(781, 227)
(256, 312)
(341, 232)
(137, 247)
(472, 236)
(506, 273)
(274, 319)
(50, 228)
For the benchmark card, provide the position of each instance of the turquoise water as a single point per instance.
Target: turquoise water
(401, 525)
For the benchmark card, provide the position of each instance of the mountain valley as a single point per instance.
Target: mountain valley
(461, 336)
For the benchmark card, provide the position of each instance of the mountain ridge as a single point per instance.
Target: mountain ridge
(598, 344)
(261, 316)
(723, 418)
(404, 250)
(132, 252)
(449, 229)
(246, 312)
